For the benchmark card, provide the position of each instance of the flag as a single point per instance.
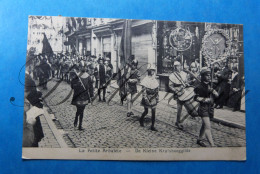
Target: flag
(125, 44)
(125, 52)
(46, 47)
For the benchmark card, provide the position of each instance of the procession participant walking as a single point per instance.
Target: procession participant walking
(52, 65)
(132, 76)
(109, 73)
(92, 76)
(36, 63)
(44, 73)
(150, 90)
(75, 68)
(83, 92)
(66, 69)
(177, 83)
(58, 65)
(100, 74)
(194, 69)
(62, 67)
(206, 110)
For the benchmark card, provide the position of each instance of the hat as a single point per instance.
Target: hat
(100, 59)
(193, 64)
(205, 70)
(175, 63)
(132, 57)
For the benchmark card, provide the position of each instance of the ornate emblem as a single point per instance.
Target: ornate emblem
(216, 45)
(180, 39)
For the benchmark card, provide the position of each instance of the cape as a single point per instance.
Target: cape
(150, 83)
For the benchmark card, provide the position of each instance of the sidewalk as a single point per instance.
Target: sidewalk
(223, 116)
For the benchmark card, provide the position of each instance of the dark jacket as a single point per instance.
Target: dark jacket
(205, 109)
(100, 73)
(44, 70)
(83, 90)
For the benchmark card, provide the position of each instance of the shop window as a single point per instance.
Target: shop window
(106, 47)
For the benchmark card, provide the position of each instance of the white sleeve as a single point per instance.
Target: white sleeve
(32, 114)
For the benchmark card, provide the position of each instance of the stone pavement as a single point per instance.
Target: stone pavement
(49, 140)
(106, 124)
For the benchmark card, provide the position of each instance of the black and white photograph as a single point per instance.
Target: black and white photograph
(128, 89)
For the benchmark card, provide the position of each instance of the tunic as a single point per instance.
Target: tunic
(205, 109)
(44, 70)
(132, 77)
(150, 89)
(83, 90)
(101, 76)
(176, 84)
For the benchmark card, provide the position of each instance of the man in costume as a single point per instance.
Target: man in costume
(177, 83)
(101, 76)
(205, 96)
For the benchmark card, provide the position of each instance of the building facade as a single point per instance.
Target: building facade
(102, 37)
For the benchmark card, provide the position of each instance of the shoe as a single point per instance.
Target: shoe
(104, 100)
(122, 102)
(179, 125)
(153, 129)
(128, 114)
(131, 113)
(200, 142)
(141, 121)
(75, 124)
(80, 128)
(234, 110)
(219, 107)
(99, 99)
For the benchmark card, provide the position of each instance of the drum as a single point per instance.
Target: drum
(187, 94)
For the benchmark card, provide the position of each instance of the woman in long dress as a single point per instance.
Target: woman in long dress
(150, 88)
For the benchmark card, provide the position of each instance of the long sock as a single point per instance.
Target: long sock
(80, 120)
(104, 93)
(99, 91)
(76, 118)
(153, 117)
(144, 113)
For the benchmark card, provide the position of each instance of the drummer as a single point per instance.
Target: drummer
(177, 82)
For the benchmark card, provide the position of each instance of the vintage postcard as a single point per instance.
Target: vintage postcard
(126, 89)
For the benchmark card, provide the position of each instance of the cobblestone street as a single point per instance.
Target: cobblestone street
(106, 125)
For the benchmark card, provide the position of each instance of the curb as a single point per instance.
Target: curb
(57, 134)
(228, 123)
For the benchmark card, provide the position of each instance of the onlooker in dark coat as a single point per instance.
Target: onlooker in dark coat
(44, 72)
(223, 87)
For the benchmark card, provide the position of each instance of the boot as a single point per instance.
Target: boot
(80, 126)
(153, 128)
(80, 122)
(141, 121)
(76, 121)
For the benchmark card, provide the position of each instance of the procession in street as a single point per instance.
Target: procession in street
(146, 84)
